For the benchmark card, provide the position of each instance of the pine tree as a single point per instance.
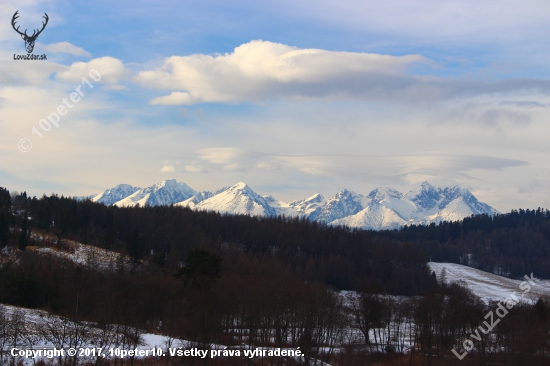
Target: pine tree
(201, 269)
(5, 205)
(23, 241)
(110, 235)
(135, 247)
(4, 228)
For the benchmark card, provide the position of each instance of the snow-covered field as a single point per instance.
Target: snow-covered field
(28, 329)
(489, 286)
(28, 336)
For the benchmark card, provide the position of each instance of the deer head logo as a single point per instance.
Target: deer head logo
(29, 40)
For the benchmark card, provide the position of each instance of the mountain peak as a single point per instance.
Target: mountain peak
(455, 192)
(345, 193)
(344, 203)
(425, 196)
(165, 183)
(237, 199)
(317, 197)
(240, 185)
(115, 194)
(426, 185)
(167, 192)
(380, 193)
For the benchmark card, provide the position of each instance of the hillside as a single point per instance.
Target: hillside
(488, 286)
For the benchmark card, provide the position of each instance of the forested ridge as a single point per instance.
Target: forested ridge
(510, 244)
(230, 279)
(339, 257)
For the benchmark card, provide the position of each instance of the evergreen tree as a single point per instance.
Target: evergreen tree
(4, 228)
(5, 205)
(23, 240)
(201, 270)
(110, 235)
(135, 247)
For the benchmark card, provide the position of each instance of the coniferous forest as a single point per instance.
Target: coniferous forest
(345, 297)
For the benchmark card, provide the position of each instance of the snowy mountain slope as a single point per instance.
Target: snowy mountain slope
(345, 203)
(449, 204)
(113, 195)
(84, 198)
(306, 207)
(301, 208)
(374, 216)
(487, 285)
(455, 210)
(237, 199)
(280, 207)
(166, 192)
(425, 197)
(469, 200)
(394, 200)
(193, 201)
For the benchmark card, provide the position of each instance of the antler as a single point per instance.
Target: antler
(13, 20)
(34, 34)
(43, 25)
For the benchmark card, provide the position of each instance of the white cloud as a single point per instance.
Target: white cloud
(111, 70)
(268, 166)
(175, 98)
(194, 168)
(261, 70)
(22, 73)
(225, 155)
(65, 47)
(167, 169)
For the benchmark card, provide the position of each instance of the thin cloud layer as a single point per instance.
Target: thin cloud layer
(65, 47)
(261, 70)
(19, 73)
(397, 168)
(430, 20)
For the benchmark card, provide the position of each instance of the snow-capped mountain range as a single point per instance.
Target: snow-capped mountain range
(382, 208)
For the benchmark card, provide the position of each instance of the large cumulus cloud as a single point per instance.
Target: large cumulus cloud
(261, 70)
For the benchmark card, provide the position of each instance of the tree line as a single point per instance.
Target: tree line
(254, 302)
(163, 236)
(511, 244)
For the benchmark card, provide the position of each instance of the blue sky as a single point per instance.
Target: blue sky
(292, 97)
